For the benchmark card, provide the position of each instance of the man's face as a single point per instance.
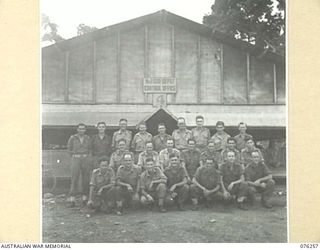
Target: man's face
(104, 164)
(191, 144)
(123, 125)
(232, 144)
(242, 128)
(149, 147)
(101, 128)
(127, 160)
(231, 157)
(220, 128)
(161, 129)
(182, 125)
(250, 144)
(211, 146)
(122, 145)
(170, 143)
(209, 163)
(199, 122)
(150, 166)
(174, 161)
(142, 128)
(81, 130)
(255, 157)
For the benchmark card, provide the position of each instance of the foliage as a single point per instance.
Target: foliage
(84, 29)
(260, 22)
(50, 30)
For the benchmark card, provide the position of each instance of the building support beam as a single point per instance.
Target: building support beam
(248, 78)
(66, 92)
(221, 74)
(173, 63)
(118, 67)
(199, 70)
(275, 83)
(146, 57)
(94, 83)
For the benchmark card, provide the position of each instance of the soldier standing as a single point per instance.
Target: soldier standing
(79, 149)
(160, 140)
(181, 135)
(139, 141)
(190, 157)
(100, 144)
(122, 133)
(200, 134)
(242, 136)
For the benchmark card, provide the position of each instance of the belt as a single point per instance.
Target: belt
(79, 155)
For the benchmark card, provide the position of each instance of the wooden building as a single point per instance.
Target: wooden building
(156, 68)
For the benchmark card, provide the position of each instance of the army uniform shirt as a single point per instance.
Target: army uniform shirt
(220, 141)
(139, 141)
(230, 172)
(160, 142)
(102, 177)
(118, 135)
(147, 177)
(181, 138)
(175, 174)
(208, 177)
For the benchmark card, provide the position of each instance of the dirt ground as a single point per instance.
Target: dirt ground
(217, 224)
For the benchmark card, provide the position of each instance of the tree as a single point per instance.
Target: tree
(260, 22)
(84, 29)
(50, 30)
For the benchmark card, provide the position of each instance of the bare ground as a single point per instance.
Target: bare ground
(217, 224)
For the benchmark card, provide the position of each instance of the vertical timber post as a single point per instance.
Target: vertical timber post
(199, 70)
(275, 83)
(66, 92)
(118, 67)
(146, 61)
(94, 84)
(221, 74)
(248, 79)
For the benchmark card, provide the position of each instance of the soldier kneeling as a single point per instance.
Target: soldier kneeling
(102, 189)
(232, 181)
(153, 185)
(259, 178)
(206, 184)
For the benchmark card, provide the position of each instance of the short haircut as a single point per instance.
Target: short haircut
(149, 142)
(255, 151)
(181, 119)
(122, 139)
(103, 158)
(242, 123)
(191, 139)
(149, 160)
(210, 141)
(170, 139)
(231, 152)
(231, 139)
(161, 124)
(127, 153)
(210, 159)
(248, 139)
(99, 123)
(123, 119)
(172, 155)
(199, 117)
(220, 123)
(81, 125)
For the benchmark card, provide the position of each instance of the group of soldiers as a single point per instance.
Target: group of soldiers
(167, 170)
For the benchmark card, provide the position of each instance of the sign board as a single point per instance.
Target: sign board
(159, 85)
